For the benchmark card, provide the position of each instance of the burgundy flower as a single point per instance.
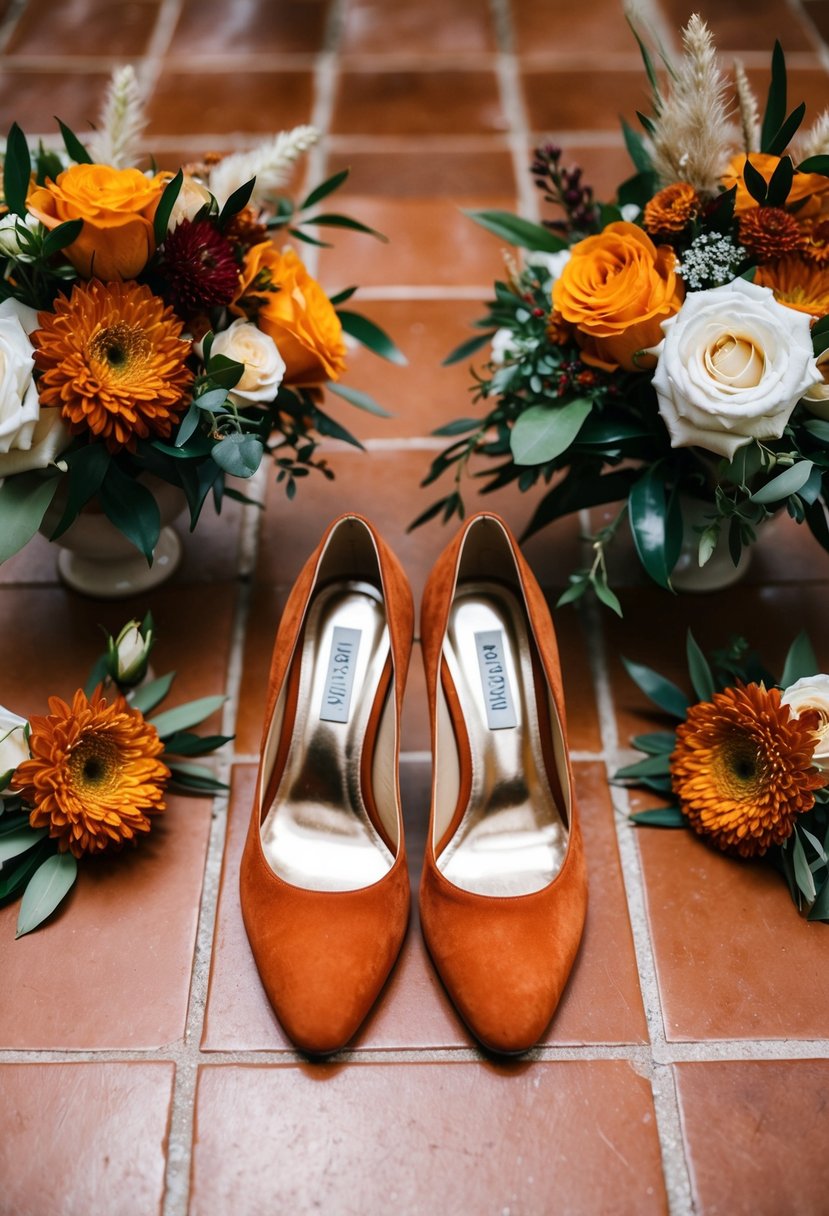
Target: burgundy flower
(198, 268)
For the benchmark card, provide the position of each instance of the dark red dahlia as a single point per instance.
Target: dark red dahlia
(198, 268)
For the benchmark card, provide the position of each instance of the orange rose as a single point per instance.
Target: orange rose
(617, 289)
(117, 207)
(810, 186)
(286, 303)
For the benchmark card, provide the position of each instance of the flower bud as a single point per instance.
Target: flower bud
(129, 653)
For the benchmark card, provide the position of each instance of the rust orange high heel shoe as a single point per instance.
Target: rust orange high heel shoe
(323, 883)
(503, 896)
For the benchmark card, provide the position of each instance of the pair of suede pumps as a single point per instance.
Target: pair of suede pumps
(324, 884)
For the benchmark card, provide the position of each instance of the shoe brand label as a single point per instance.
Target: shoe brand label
(339, 679)
(500, 707)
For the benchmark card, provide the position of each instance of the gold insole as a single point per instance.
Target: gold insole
(317, 833)
(511, 839)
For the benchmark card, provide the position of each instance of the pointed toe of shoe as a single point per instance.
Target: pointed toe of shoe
(504, 962)
(323, 957)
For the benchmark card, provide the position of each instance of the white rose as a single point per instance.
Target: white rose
(29, 438)
(264, 366)
(812, 692)
(733, 365)
(191, 198)
(13, 746)
(816, 399)
(11, 244)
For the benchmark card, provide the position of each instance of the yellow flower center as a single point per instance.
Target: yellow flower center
(118, 348)
(735, 361)
(93, 765)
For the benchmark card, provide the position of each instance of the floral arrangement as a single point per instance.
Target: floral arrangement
(86, 778)
(150, 325)
(748, 765)
(668, 349)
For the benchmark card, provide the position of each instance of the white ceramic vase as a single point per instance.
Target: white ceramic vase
(719, 571)
(98, 560)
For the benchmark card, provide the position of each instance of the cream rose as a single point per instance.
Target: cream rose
(816, 399)
(812, 692)
(192, 196)
(30, 437)
(12, 236)
(733, 365)
(13, 746)
(264, 366)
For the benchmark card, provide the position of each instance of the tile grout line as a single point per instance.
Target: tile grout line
(182, 1119)
(665, 1099)
(735, 1051)
(509, 86)
(187, 1055)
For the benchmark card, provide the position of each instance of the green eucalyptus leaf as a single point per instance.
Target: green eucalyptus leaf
(354, 397)
(517, 231)
(820, 908)
(775, 113)
(656, 743)
(324, 189)
(467, 348)
(237, 201)
(17, 169)
(24, 500)
(652, 766)
(49, 884)
(87, 469)
(543, 432)
(18, 841)
(803, 875)
(371, 336)
(345, 221)
(778, 146)
(785, 483)
(149, 695)
(656, 524)
(606, 595)
(800, 661)
(75, 149)
(661, 691)
(60, 237)
(165, 206)
(815, 164)
(183, 743)
(15, 875)
(132, 508)
(661, 817)
(185, 716)
(699, 670)
(238, 455)
(755, 182)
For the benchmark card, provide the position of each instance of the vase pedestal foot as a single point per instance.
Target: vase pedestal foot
(112, 578)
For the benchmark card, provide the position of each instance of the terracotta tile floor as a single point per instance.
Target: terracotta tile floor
(142, 1069)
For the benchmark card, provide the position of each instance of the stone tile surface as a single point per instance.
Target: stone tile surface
(399, 1132)
(88, 1137)
(751, 1127)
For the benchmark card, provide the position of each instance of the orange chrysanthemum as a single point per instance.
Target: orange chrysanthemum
(769, 233)
(671, 210)
(815, 246)
(742, 768)
(94, 776)
(797, 285)
(113, 361)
